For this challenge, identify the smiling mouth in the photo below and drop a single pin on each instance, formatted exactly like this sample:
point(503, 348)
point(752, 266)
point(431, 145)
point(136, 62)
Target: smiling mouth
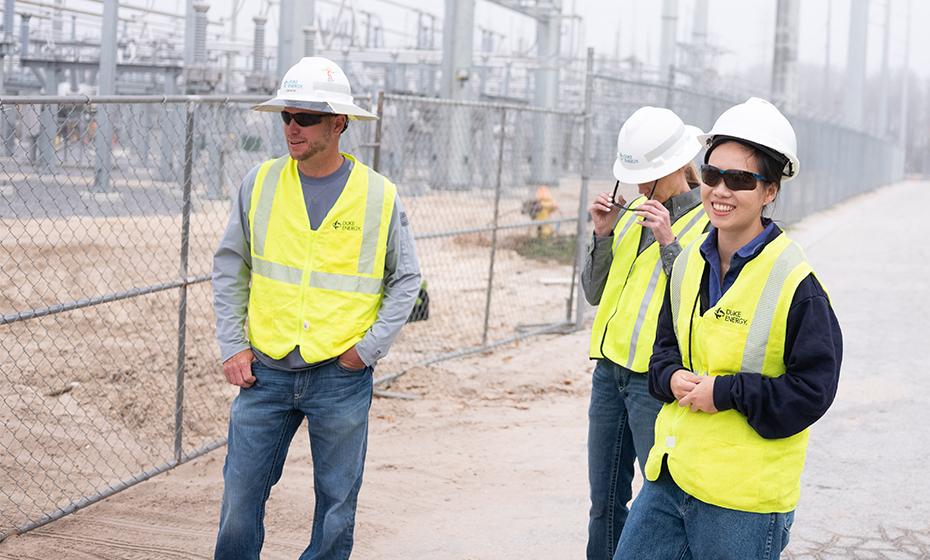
point(722, 208)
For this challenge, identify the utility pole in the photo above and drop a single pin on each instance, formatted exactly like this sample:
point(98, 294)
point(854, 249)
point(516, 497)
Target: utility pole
point(455, 150)
point(785, 62)
point(882, 125)
point(905, 72)
point(669, 40)
point(106, 85)
point(855, 64)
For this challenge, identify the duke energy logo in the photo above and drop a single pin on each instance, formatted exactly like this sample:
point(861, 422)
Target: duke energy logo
point(628, 159)
point(346, 225)
point(731, 316)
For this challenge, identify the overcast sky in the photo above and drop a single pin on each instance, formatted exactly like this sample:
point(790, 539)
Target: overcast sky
point(744, 29)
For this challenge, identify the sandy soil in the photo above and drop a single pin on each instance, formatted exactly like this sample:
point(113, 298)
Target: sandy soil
point(491, 454)
point(89, 398)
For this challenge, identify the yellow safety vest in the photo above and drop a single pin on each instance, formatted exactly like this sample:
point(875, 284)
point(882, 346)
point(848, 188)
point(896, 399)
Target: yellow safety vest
point(628, 314)
point(319, 290)
point(719, 458)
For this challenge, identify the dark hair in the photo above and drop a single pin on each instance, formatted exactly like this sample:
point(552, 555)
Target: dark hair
point(771, 163)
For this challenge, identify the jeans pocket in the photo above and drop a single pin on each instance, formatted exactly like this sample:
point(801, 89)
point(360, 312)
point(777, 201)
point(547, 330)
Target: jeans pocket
point(345, 369)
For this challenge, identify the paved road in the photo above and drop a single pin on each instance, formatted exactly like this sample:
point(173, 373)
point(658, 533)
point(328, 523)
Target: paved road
point(867, 484)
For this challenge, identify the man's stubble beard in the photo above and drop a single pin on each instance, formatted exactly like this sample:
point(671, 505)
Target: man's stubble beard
point(317, 147)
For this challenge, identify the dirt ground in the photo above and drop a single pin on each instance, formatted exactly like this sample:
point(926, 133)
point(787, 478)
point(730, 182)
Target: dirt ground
point(491, 455)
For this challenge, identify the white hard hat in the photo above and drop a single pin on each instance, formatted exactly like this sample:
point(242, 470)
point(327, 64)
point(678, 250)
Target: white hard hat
point(761, 123)
point(316, 84)
point(653, 143)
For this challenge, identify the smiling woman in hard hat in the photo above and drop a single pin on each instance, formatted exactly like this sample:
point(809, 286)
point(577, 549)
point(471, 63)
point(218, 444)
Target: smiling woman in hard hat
point(625, 271)
point(319, 259)
point(747, 357)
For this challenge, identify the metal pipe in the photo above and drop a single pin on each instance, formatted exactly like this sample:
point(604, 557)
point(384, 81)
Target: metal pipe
point(98, 300)
point(669, 41)
point(467, 231)
point(785, 57)
point(121, 99)
point(882, 125)
point(48, 122)
point(182, 273)
point(554, 327)
point(854, 89)
point(376, 156)
point(581, 231)
point(106, 85)
point(905, 71)
point(497, 205)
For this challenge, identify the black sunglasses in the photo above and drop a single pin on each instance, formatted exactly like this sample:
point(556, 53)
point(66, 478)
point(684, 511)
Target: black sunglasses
point(613, 197)
point(302, 119)
point(734, 179)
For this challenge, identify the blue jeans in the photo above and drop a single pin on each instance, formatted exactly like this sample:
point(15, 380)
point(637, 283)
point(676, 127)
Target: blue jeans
point(263, 420)
point(667, 523)
point(621, 427)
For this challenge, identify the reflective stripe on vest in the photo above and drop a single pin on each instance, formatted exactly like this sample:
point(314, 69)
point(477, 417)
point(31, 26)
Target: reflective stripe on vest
point(338, 282)
point(625, 324)
point(263, 211)
point(699, 217)
point(301, 276)
point(719, 458)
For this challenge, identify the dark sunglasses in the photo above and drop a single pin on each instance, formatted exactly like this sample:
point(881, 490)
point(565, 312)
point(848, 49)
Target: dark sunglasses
point(613, 197)
point(734, 179)
point(302, 119)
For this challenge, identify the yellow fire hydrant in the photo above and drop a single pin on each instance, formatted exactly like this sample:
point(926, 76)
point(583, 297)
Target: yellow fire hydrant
point(541, 209)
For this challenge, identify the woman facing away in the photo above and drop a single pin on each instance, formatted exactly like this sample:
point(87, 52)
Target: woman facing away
point(633, 248)
point(747, 356)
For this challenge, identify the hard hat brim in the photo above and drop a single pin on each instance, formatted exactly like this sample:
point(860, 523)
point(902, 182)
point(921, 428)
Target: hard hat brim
point(687, 153)
point(354, 112)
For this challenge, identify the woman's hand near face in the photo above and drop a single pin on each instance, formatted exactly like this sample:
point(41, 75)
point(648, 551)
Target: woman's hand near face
point(655, 216)
point(603, 213)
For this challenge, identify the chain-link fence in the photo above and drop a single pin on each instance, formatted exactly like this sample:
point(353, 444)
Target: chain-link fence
point(111, 208)
point(492, 197)
point(836, 162)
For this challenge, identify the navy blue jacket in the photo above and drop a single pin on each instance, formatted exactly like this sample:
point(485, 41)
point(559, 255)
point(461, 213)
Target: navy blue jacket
point(775, 407)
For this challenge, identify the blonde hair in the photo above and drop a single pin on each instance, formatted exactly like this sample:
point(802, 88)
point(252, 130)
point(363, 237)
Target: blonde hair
point(691, 174)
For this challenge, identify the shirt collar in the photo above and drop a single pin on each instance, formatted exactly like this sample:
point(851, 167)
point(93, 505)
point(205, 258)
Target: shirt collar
point(748, 251)
point(681, 204)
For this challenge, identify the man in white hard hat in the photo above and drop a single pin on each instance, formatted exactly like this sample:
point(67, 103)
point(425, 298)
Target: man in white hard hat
point(318, 258)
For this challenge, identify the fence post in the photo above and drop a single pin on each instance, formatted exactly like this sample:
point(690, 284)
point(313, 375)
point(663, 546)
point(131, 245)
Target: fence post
point(103, 143)
point(376, 157)
point(497, 204)
point(182, 272)
point(582, 228)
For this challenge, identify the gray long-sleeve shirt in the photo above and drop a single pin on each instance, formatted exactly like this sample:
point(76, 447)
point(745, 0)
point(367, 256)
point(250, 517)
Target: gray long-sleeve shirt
point(232, 266)
point(599, 256)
